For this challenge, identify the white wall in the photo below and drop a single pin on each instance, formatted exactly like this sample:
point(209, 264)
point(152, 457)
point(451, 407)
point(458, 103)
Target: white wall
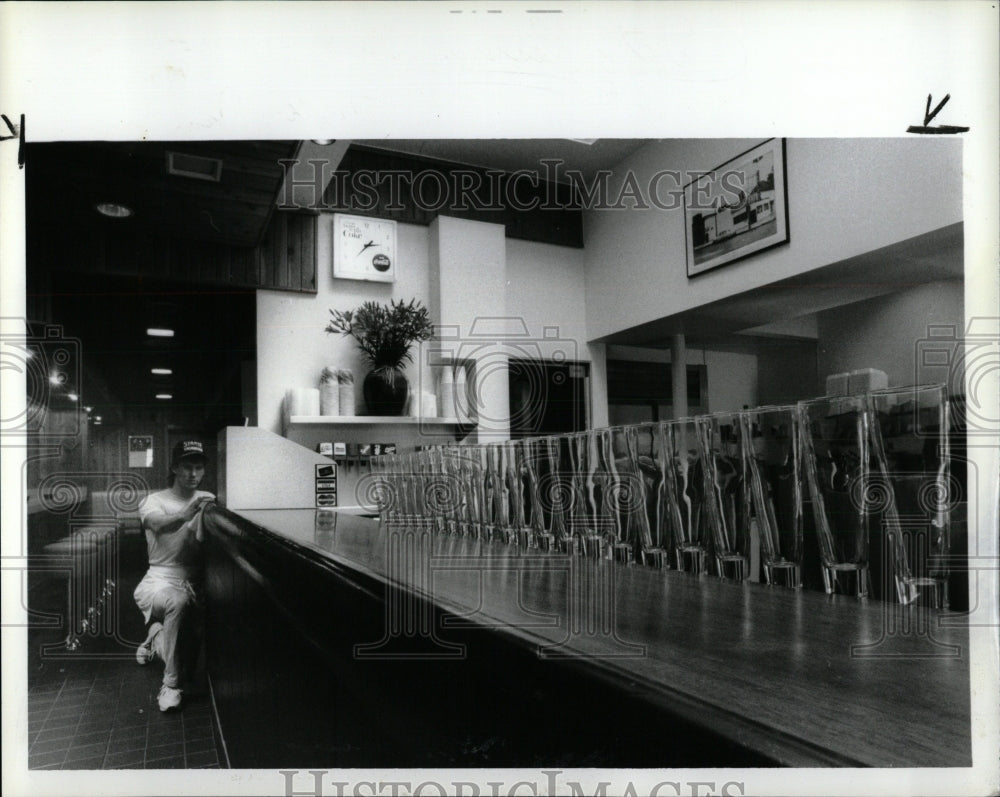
point(292, 347)
point(888, 333)
point(845, 197)
point(545, 287)
point(544, 284)
point(469, 281)
point(732, 380)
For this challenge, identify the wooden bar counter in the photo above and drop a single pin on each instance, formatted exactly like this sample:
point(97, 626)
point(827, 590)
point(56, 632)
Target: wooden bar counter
point(336, 642)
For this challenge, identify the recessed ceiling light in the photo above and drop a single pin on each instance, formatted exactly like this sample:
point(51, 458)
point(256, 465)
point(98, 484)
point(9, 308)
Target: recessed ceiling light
point(164, 396)
point(72, 397)
point(88, 409)
point(113, 210)
point(56, 379)
point(161, 371)
point(155, 332)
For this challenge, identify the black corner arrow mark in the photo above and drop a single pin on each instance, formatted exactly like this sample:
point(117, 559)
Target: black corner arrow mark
point(18, 133)
point(929, 116)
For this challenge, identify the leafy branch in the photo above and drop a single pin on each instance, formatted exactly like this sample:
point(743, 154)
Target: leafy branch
point(384, 333)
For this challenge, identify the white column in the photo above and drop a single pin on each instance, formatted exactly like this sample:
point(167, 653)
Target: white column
point(678, 376)
point(598, 385)
point(468, 274)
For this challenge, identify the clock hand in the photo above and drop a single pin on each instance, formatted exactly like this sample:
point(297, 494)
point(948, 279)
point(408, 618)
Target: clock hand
point(366, 246)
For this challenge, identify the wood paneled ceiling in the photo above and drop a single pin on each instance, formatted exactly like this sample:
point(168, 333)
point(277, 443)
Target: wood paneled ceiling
point(65, 180)
point(214, 334)
point(512, 154)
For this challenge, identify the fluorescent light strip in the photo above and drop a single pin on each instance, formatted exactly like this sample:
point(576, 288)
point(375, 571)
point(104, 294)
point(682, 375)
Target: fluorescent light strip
point(154, 332)
point(164, 396)
point(161, 371)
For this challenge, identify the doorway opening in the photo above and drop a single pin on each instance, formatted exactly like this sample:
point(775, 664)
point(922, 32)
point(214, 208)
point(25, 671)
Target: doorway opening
point(548, 397)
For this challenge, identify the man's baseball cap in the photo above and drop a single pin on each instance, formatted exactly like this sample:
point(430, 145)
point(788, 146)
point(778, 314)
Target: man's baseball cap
point(188, 449)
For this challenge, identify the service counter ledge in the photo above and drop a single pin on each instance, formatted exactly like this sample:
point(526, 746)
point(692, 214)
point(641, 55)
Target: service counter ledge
point(325, 649)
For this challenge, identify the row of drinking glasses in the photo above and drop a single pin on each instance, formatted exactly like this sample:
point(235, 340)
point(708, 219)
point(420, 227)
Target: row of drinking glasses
point(689, 493)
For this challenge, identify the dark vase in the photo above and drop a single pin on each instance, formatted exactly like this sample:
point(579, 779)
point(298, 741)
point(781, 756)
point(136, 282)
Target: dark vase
point(385, 391)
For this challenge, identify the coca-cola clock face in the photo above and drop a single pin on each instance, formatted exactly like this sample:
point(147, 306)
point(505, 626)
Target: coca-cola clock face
point(364, 248)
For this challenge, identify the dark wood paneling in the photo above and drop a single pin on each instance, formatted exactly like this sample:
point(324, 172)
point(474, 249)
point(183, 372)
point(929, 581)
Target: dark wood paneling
point(107, 445)
point(270, 251)
point(285, 260)
point(557, 219)
point(293, 253)
point(309, 266)
point(288, 253)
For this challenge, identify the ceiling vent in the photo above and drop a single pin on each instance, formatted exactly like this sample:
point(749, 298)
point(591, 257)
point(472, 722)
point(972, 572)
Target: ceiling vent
point(194, 166)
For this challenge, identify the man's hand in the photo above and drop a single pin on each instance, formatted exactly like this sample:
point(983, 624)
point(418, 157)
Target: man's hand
point(191, 512)
point(160, 523)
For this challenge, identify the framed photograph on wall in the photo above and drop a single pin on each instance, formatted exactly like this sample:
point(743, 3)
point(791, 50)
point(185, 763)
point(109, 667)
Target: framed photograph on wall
point(737, 209)
point(140, 451)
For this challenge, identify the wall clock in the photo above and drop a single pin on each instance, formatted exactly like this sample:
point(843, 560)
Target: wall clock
point(364, 248)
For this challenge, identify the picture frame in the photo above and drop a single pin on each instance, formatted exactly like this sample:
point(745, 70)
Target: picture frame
point(140, 451)
point(364, 248)
point(737, 209)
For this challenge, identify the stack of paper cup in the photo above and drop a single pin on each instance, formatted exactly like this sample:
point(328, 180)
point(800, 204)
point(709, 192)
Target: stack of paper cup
point(461, 395)
point(302, 401)
point(428, 404)
point(421, 404)
point(329, 392)
point(446, 392)
point(345, 379)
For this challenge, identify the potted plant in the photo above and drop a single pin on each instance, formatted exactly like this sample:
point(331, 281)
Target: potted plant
point(385, 334)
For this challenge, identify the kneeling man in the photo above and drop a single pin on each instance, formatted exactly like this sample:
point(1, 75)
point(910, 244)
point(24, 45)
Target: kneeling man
point(168, 593)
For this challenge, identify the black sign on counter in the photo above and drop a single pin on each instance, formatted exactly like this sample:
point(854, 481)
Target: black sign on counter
point(326, 484)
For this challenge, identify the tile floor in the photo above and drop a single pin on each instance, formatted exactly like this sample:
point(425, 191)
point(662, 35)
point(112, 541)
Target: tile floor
point(96, 708)
point(107, 718)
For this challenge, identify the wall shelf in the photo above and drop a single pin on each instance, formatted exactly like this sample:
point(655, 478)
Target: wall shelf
point(373, 420)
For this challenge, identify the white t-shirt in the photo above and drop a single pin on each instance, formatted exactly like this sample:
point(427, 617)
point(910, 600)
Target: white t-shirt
point(181, 548)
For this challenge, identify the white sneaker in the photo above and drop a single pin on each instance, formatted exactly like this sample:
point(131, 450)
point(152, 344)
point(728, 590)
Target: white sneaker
point(144, 654)
point(169, 698)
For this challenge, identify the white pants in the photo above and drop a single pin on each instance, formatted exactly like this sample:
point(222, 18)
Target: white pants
point(171, 600)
